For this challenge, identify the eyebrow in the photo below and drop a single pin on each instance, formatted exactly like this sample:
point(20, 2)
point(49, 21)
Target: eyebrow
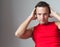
point(44, 13)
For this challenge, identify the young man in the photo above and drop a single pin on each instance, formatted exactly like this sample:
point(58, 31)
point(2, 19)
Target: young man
point(45, 34)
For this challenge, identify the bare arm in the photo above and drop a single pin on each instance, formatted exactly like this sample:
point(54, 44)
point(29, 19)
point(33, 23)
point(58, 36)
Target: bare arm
point(57, 16)
point(27, 34)
point(22, 31)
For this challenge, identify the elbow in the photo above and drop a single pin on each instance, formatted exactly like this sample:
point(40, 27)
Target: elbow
point(20, 36)
point(17, 35)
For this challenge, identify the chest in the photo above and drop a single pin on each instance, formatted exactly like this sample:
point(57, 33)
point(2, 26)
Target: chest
point(45, 31)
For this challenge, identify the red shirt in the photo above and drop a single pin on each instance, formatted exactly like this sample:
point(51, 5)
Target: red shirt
point(46, 35)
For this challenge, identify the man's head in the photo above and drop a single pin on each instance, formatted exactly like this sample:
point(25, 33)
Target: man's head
point(42, 12)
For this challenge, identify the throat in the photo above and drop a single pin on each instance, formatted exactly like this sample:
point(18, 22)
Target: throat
point(44, 23)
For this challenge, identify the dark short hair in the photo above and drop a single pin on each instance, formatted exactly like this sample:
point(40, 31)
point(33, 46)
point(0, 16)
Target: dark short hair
point(43, 4)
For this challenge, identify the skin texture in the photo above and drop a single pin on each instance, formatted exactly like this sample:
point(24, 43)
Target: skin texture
point(42, 15)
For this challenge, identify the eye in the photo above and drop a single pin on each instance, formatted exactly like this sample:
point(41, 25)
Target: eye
point(45, 14)
point(39, 14)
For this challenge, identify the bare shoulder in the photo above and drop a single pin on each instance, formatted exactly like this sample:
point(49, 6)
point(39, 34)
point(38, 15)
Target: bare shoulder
point(58, 24)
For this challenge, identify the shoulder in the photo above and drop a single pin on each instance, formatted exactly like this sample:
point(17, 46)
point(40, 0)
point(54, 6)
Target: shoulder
point(58, 24)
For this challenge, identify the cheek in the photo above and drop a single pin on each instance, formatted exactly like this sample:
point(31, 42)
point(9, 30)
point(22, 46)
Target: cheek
point(38, 18)
point(46, 17)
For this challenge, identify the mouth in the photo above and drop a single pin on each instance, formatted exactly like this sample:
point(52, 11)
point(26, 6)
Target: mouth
point(43, 20)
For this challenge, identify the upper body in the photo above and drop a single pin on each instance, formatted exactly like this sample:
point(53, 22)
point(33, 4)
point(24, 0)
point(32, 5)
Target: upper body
point(41, 12)
point(46, 35)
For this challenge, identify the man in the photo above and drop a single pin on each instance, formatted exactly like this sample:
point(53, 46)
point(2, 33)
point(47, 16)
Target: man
point(45, 34)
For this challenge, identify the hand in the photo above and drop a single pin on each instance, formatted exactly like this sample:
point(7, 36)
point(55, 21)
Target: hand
point(52, 13)
point(33, 14)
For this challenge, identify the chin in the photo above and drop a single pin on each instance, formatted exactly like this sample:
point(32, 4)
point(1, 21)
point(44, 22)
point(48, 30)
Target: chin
point(42, 22)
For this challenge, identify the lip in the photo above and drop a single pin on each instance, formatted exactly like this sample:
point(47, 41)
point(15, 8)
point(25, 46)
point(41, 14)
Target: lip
point(43, 20)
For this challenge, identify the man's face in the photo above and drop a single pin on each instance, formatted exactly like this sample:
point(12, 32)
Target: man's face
point(42, 14)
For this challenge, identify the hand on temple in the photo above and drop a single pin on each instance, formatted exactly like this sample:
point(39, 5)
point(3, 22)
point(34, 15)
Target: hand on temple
point(33, 14)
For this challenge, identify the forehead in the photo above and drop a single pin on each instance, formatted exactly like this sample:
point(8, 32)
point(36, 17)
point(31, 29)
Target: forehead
point(42, 9)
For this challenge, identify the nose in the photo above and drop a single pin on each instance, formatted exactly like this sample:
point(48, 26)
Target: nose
point(42, 16)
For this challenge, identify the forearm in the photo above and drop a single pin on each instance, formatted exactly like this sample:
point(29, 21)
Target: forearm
point(56, 15)
point(22, 28)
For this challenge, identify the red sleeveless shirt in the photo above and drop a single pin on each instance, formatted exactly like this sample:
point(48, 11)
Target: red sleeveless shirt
point(46, 35)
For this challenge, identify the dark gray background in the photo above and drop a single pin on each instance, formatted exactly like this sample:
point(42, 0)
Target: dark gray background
point(12, 14)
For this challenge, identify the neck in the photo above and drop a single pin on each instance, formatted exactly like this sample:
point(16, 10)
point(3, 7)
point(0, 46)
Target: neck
point(44, 23)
